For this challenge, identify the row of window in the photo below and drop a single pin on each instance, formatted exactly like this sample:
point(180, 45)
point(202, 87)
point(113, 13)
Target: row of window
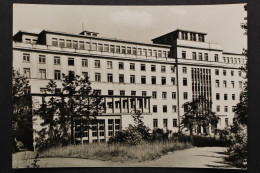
point(108, 48)
point(193, 36)
point(200, 56)
point(232, 60)
point(84, 63)
point(225, 108)
point(233, 96)
point(232, 73)
point(165, 123)
point(217, 84)
point(174, 108)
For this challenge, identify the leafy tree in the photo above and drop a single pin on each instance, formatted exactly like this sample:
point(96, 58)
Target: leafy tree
point(198, 112)
point(22, 115)
point(77, 103)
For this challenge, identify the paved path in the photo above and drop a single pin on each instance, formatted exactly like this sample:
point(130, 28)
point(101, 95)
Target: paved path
point(204, 157)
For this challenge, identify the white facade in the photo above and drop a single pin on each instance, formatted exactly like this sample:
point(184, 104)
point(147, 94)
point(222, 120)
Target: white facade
point(42, 56)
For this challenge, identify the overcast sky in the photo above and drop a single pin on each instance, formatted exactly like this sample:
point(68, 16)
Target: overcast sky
point(137, 23)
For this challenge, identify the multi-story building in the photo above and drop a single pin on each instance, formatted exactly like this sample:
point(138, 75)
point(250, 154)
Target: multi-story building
point(156, 78)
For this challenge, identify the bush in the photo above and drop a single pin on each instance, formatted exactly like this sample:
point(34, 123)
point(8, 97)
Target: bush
point(160, 134)
point(238, 148)
point(129, 136)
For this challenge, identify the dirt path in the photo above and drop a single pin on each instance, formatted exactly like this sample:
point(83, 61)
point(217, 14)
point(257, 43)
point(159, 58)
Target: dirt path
point(204, 157)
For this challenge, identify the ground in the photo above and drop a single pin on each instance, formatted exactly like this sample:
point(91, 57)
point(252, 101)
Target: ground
point(198, 157)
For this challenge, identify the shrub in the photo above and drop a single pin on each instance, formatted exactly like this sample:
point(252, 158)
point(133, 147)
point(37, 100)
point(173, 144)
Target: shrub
point(129, 136)
point(160, 134)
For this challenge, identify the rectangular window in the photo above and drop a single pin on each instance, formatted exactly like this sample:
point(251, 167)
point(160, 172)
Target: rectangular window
point(240, 84)
point(173, 80)
point(153, 78)
point(68, 43)
point(154, 108)
point(109, 65)
point(133, 93)
point(42, 73)
point(94, 46)
point(154, 94)
point(232, 73)
point(88, 46)
point(54, 42)
point(122, 92)
point(163, 80)
point(159, 53)
point(132, 78)
point(81, 45)
point(142, 67)
point(172, 69)
point(42, 59)
point(134, 51)
point(164, 54)
point(123, 49)
point(71, 61)
point(149, 52)
point(155, 53)
point(117, 49)
point(164, 95)
point(120, 65)
point(233, 84)
point(200, 56)
point(75, 44)
point(143, 79)
point(106, 48)
point(97, 77)
point(164, 108)
point(155, 123)
point(174, 95)
point(85, 74)
point(217, 84)
point(153, 68)
point(239, 73)
point(185, 95)
point(184, 70)
point(225, 84)
point(226, 121)
point(183, 54)
point(144, 93)
point(225, 109)
point(217, 96)
point(121, 78)
point(62, 42)
point(216, 57)
point(216, 72)
point(165, 123)
point(185, 82)
point(233, 108)
point(163, 69)
point(174, 108)
point(139, 51)
point(206, 57)
point(128, 50)
point(145, 52)
point(57, 75)
point(26, 57)
point(100, 47)
point(174, 123)
point(224, 72)
point(132, 66)
point(225, 97)
point(110, 92)
point(233, 97)
point(56, 60)
point(109, 77)
point(97, 63)
point(84, 62)
point(194, 56)
point(218, 108)
point(112, 48)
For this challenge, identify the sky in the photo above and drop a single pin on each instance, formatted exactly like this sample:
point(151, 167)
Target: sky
point(137, 23)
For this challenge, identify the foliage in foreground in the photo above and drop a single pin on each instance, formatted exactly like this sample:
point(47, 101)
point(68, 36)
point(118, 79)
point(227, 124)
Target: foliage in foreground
point(117, 152)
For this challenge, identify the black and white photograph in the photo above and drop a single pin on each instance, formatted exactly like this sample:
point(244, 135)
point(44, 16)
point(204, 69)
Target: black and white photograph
point(129, 86)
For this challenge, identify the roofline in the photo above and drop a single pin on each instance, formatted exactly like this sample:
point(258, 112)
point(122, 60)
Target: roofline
point(25, 32)
point(180, 30)
point(103, 38)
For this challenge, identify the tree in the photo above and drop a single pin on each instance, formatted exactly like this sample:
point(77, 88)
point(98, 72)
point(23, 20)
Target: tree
point(22, 115)
point(76, 103)
point(198, 113)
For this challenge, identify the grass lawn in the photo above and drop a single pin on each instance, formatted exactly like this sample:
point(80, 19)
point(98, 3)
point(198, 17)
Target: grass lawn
point(116, 152)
